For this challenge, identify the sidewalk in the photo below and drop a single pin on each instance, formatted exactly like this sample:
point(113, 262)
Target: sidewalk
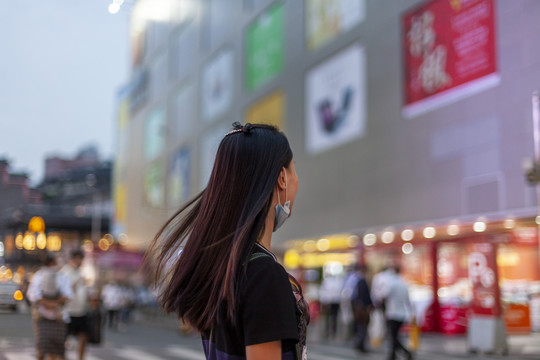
point(433, 346)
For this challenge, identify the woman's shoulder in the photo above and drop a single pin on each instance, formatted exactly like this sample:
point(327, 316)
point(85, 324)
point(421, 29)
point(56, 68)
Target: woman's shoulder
point(262, 268)
point(260, 260)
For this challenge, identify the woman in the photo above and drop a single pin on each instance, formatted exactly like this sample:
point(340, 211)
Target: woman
point(227, 283)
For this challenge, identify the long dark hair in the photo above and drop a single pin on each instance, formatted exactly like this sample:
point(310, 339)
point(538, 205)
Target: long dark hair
point(219, 227)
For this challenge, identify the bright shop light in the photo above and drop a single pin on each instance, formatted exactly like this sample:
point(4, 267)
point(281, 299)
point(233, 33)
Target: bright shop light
point(387, 237)
point(333, 268)
point(18, 295)
point(109, 238)
point(19, 241)
point(103, 244)
point(88, 246)
point(114, 8)
point(323, 244)
point(509, 223)
point(538, 220)
point(452, 230)
point(352, 241)
point(407, 248)
point(310, 245)
point(41, 241)
point(369, 239)
point(29, 241)
point(123, 239)
point(54, 242)
point(291, 259)
point(429, 232)
point(407, 235)
point(479, 226)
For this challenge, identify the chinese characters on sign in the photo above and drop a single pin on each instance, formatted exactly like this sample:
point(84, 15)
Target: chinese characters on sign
point(449, 53)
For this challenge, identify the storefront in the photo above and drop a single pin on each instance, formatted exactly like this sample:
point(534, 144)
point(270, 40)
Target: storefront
point(493, 268)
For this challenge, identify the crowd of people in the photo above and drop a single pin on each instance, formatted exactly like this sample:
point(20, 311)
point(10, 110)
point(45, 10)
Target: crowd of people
point(369, 313)
point(66, 310)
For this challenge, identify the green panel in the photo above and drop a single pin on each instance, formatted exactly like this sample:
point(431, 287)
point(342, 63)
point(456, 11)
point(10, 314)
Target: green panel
point(265, 47)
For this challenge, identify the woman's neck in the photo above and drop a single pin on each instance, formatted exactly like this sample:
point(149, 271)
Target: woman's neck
point(266, 239)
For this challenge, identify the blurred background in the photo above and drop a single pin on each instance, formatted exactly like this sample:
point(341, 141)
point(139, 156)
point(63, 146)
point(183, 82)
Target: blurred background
point(414, 125)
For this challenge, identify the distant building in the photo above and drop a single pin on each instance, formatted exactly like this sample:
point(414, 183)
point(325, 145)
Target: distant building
point(78, 183)
point(56, 166)
point(73, 200)
point(14, 188)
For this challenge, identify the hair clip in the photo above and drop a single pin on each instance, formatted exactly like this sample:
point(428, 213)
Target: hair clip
point(246, 129)
point(233, 132)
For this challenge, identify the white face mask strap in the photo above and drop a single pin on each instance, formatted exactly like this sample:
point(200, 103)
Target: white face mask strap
point(279, 201)
point(285, 186)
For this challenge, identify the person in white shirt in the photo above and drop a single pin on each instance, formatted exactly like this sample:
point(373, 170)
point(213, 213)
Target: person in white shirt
point(113, 301)
point(379, 285)
point(77, 307)
point(398, 311)
point(48, 292)
point(330, 297)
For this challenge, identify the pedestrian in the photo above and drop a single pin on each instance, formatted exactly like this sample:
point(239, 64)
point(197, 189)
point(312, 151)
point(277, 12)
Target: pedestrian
point(347, 317)
point(399, 310)
point(113, 301)
point(379, 285)
point(128, 304)
point(48, 292)
point(361, 304)
point(223, 280)
point(330, 298)
point(77, 308)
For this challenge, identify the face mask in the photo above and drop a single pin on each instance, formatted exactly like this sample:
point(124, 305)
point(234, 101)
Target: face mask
point(282, 211)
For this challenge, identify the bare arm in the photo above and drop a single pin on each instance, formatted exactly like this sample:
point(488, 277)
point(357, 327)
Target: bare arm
point(52, 303)
point(264, 351)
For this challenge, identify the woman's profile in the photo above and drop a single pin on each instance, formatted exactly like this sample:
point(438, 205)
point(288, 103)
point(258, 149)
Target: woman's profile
point(214, 262)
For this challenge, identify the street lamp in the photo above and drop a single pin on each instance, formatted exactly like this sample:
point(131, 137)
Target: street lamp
point(36, 237)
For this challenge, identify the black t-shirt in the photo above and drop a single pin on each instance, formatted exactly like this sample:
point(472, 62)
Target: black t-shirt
point(266, 312)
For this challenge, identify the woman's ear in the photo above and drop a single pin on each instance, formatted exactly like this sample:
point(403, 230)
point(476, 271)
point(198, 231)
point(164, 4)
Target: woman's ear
point(282, 179)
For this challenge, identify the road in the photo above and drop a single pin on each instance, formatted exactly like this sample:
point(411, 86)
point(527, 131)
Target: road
point(159, 340)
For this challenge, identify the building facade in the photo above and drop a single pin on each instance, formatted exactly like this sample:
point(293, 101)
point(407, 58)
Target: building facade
point(69, 209)
point(410, 123)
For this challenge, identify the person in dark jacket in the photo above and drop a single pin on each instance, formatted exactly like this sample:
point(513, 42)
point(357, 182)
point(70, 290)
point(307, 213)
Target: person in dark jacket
point(361, 306)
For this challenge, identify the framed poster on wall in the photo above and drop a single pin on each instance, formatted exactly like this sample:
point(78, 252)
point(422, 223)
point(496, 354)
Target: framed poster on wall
point(264, 47)
point(183, 114)
point(336, 100)
point(154, 133)
point(449, 53)
point(179, 178)
point(218, 85)
point(326, 19)
point(209, 146)
point(154, 188)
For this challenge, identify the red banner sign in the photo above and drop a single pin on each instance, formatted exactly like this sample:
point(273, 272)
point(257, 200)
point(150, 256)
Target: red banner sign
point(449, 50)
point(483, 275)
point(526, 236)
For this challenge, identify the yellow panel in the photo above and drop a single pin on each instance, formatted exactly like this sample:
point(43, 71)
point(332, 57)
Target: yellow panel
point(120, 202)
point(123, 113)
point(269, 110)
